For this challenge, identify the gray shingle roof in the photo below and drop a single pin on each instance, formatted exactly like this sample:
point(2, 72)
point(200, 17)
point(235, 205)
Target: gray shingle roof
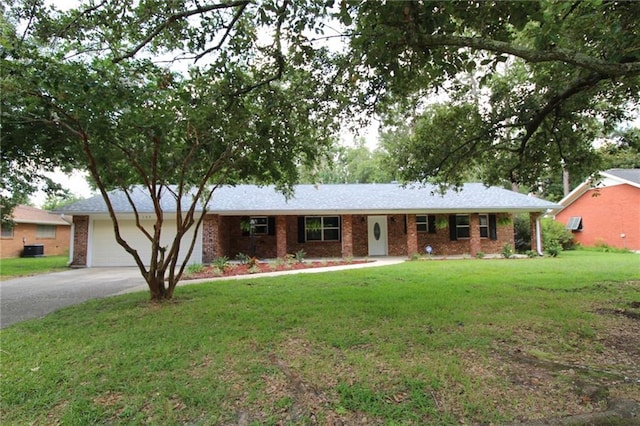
point(338, 198)
point(632, 175)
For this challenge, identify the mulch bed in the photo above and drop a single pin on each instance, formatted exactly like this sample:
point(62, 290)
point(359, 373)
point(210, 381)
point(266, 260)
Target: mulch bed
point(234, 269)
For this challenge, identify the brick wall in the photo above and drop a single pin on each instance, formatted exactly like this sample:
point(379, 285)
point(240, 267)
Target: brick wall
point(607, 213)
point(80, 240)
point(209, 237)
point(412, 235)
point(281, 236)
point(443, 246)
point(397, 240)
point(360, 236)
point(265, 246)
point(26, 232)
point(403, 238)
point(347, 235)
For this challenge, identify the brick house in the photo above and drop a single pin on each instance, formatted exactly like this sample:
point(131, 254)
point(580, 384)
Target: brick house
point(604, 210)
point(32, 226)
point(342, 220)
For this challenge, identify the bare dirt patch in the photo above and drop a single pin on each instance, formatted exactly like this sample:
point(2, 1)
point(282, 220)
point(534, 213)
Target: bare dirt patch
point(513, 379)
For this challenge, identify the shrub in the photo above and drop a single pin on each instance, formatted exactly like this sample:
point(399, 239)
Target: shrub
point(507, 251)
point(531, 253)
point(195, 268)
point(480, 255)
point(242, 258)
point(522, 232)
point(221, 263)
point(554, 232)
point(253, 262)
point(553, 249)
point(300, 255)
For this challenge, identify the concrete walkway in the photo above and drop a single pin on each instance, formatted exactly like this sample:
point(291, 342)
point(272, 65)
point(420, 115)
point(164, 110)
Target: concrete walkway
point(34, 297)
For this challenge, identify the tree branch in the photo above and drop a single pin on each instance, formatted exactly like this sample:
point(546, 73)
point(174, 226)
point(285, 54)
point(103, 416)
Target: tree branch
point(574, 88)
point(604, 68)
point(176, 17)
point(233, 22)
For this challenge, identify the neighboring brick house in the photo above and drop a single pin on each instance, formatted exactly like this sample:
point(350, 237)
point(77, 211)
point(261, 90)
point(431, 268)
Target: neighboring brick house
point(604, 210)
point(350, 220)
point(32, 226)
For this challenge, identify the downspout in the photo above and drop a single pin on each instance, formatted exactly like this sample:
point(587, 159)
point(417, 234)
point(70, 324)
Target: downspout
point(71, 247)
point(539, 236)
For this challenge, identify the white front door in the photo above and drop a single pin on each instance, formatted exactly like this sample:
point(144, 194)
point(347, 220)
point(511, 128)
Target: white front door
point(377, 226)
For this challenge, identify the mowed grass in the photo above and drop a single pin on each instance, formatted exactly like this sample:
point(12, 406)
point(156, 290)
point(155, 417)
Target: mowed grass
point(22, 266)
point(425, 342)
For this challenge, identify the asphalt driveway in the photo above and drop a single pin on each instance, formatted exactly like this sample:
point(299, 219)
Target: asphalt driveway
point(34, 297)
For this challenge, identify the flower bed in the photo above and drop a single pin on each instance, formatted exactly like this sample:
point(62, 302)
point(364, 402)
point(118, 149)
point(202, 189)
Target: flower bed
point(233, 269)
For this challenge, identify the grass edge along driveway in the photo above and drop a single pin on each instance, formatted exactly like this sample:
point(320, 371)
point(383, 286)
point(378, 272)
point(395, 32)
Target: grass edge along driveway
point(427, 342)
point(25, 266)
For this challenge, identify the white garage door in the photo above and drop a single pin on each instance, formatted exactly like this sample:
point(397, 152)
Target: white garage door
point(107, 252)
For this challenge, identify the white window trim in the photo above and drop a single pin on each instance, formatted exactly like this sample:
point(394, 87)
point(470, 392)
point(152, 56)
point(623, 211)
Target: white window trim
point(257, 226)
point(468, 227)
point(322, 229)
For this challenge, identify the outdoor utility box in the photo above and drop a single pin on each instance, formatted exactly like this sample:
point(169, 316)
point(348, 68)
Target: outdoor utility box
point(33, 250)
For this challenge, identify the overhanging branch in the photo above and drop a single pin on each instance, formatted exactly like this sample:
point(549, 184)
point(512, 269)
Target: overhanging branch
point(556, 54)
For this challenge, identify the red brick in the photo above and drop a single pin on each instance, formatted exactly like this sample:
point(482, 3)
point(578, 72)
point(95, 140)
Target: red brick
point(607, 213)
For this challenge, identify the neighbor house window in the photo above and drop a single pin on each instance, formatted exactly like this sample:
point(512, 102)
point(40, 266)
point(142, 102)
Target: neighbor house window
point(574, 224)
point(462, 226)
point(426, 223)
point(322, 228)
point(7, 231)
point(45, 231)
point(484, 226)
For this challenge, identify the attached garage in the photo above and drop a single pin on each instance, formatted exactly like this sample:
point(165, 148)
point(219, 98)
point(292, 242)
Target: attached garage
point(105, 251)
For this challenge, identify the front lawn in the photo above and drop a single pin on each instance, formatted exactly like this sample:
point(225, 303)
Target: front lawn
point(425, 342)
point(22, 266)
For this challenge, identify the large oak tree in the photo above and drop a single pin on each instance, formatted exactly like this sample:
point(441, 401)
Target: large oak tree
point(526, 85)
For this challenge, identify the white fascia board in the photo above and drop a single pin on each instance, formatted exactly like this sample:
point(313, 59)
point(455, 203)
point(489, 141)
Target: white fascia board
point(42, 222)
point(619, 180)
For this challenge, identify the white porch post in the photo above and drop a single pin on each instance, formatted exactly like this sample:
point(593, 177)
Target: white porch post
point(539, 236)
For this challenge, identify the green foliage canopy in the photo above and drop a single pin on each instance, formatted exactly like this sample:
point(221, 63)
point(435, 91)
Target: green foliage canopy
point(178, 97)
point(524, 85)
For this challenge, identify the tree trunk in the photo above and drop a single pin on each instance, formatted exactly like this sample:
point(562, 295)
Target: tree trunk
point(157, 289)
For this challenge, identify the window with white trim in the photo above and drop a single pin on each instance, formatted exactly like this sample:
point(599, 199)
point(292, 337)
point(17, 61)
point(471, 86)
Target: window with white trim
point(484, 226)
point(260, 225)
point(45, 231)
point(426, 223)
point(462, 226)
point(322, 228)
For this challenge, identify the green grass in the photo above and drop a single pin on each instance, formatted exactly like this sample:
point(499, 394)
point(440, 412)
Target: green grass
point(423, 342)
point(22, 266)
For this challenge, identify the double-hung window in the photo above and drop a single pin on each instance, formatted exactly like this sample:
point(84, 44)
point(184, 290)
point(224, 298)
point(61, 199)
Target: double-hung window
point(484, 226)
point(322, 228)
point(462, 226)
point(260, 225)
point(46, 231)
point(426, 223)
